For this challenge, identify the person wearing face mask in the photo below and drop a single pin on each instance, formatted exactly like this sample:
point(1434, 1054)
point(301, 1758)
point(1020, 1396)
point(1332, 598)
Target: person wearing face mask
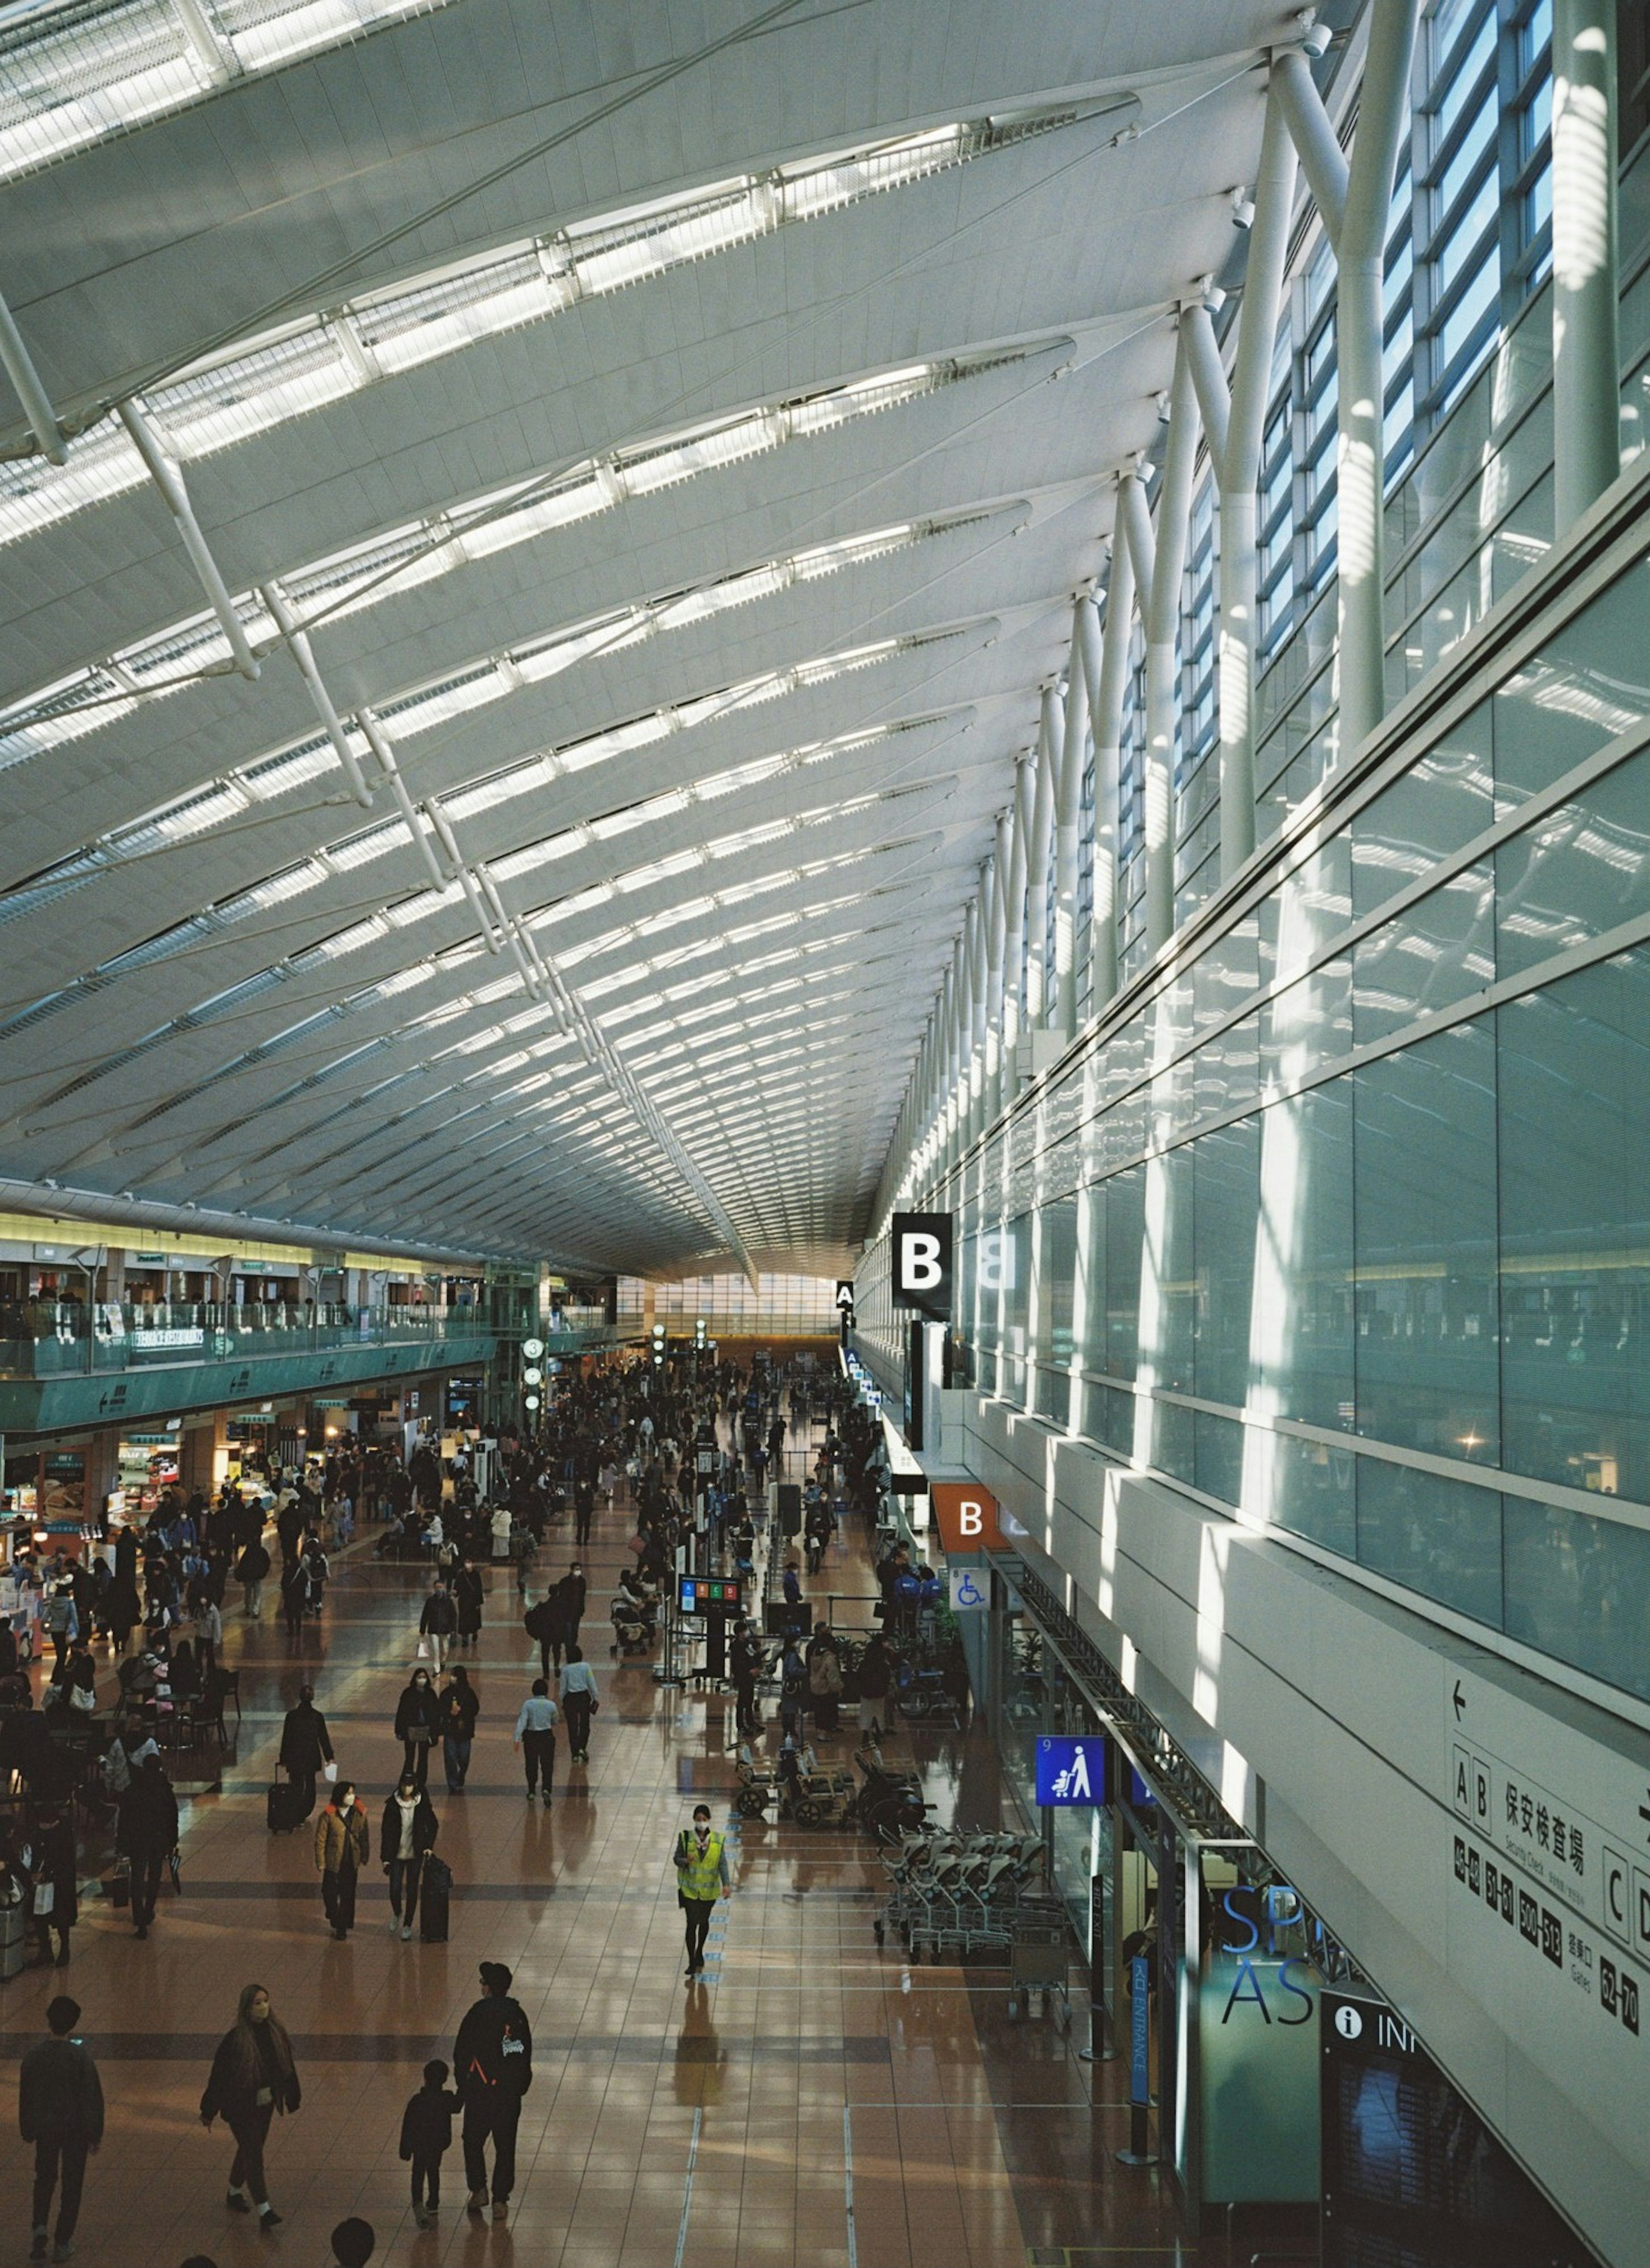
point(343, 1847)
point(405, 1841)
point(253, 2079)
point(702, 1878)
point(417, 1721)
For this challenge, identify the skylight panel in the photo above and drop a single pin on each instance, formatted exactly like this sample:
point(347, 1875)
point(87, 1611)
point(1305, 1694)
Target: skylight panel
point(229, 402)
point(609, 258)
point(400, 330)
point(645, 471)
point(558, 506)
point(821, 188)
point(374, 842)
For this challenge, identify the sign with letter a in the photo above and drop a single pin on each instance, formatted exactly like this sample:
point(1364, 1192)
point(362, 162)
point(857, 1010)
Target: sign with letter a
point(922, 1264)
point(967, 1516)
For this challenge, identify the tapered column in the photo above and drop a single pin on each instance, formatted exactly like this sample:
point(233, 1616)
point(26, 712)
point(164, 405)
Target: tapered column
point(1585, 284)
point(1107, 683)
point(1040, 860)
point(1015, 941)
point(996, 946)
point(1382, 115)
point(1162, 652)
point(1067, 813)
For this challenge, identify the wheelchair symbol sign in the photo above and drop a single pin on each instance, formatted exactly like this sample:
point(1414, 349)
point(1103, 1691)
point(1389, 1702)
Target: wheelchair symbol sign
point(966, 1591)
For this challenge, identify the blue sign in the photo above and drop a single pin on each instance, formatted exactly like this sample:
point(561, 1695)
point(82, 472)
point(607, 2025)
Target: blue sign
point(1071, 1768)
point(1139, 2029)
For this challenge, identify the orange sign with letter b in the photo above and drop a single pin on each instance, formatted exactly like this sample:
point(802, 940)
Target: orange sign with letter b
point(967, 1517)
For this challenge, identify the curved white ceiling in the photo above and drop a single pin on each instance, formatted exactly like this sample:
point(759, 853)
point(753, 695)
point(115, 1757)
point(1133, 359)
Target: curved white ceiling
point(658, 450)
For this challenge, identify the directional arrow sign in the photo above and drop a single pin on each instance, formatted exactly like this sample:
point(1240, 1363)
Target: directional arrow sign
point(1461, 1702)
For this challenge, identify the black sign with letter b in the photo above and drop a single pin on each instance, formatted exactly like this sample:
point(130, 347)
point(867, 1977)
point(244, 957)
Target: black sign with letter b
point(923, 1263)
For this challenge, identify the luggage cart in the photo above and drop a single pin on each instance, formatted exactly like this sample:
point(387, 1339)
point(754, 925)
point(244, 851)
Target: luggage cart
point(1038, 1960)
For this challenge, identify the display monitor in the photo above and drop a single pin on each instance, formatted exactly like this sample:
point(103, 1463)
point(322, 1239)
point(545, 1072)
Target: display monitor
point(711, 1594)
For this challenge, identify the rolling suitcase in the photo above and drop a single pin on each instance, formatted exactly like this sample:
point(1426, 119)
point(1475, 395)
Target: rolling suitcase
point(433, 1897)
point(285, 1808)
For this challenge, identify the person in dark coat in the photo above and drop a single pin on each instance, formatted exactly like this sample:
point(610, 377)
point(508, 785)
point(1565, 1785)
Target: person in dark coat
point(468, 1597)
point(60, 2111)
point(251, 1568)
point(437, 1624)
point(305, 1745)
point(460, 1705)
point(51, 1868)
point(122, 1607)
point(417, 1722)
point(406, 1839)
point(573, 1591)
point(492, 2061)
point(146, 1835)
point(253, 2079)
point(426, 2136)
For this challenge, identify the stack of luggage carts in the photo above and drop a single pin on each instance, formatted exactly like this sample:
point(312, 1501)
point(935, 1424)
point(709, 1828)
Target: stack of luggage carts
point(951, 1893)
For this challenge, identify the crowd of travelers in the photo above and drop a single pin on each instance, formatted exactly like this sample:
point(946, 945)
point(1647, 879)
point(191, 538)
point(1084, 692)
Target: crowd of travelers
point(158, 1600)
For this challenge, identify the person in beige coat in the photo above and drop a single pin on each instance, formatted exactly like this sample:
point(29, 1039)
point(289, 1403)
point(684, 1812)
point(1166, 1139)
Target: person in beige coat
point(343, 1847)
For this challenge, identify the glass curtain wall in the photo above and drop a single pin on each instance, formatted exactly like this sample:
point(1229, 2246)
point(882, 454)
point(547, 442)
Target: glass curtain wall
point(1348, 1225)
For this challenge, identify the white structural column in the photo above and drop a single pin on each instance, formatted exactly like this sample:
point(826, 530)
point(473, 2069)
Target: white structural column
point(1039, 849)
point(1585, 319)
point(1014, 938)
point(1161, 601)
point(979, 939)
point(1233, 421)
point(1355, 202)
point(996, 946)
point(962, 993)
point(1067, 814)
point(1107, 684)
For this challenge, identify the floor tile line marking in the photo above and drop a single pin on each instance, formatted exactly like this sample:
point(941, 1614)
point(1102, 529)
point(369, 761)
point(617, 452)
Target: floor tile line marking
point(687, 2190)
point(848, 2183)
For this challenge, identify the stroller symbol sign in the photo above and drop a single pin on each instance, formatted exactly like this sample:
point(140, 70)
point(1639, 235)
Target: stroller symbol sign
point(966, 1592)
point(1071, 1768)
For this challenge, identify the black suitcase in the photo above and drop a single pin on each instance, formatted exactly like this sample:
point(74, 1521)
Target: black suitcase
point(433, 1898)
point(284, 1806)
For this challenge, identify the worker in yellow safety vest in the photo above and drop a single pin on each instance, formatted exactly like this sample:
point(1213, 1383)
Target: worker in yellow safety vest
point(702, 1877)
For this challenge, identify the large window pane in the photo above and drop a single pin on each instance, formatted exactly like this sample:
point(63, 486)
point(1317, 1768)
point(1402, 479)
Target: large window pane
point(1426, 1212)
point(1436, 953)
point(1578, 1589)
point(1125, 1234)
point(1574, 1079)
point(1442, 1538)
point(1584, 869)
point(1437, 808)
point(1226, 1176)
point(1056, 1266)
point(1302, 1337)
point(1590, 682)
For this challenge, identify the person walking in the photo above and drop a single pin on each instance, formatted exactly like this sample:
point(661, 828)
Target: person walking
point(876, 1680)
point(294, 1598)
point(438, 1623)
point(543, 1623)
point(426, 2136)
point(747, 1660)
point(146, 1835)
point(460, 1706)
point(584, 1509)
point(48, 1864)
point(251, 1571)
point(492, 2061)
point(343, 1847)
point(417, 1721)
point(702, 1878)
point(406, 1839)
point(253, 2079)
point(468, 1592)
point(535, 1736)
point(579, 1702)
point(573, 1591)
point(60, 2111)
point(306, 1746)
point(824, 1665)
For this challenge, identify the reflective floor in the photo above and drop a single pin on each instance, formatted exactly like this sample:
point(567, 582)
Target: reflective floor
point(815, 2102)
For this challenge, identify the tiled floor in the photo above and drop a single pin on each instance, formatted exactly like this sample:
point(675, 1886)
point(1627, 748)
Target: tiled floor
point(816, 2103)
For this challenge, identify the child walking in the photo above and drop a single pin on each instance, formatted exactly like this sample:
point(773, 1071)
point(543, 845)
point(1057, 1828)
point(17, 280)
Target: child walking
point(426, 2135)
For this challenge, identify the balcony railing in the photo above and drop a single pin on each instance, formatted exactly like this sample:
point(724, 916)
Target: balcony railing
point(47, 1339)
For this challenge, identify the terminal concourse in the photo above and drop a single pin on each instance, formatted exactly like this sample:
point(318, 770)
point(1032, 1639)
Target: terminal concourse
point(824, 1040)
